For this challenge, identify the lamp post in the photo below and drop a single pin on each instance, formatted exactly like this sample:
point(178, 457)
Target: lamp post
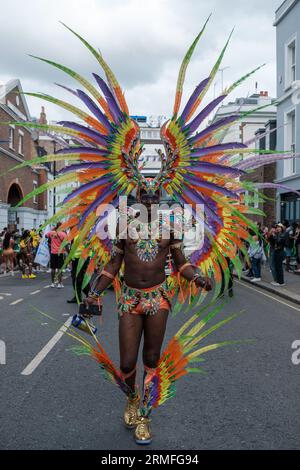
point(221, 70)
point(54, 176)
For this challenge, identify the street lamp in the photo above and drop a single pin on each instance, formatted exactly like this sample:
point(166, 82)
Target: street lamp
point(221, 70)
point(54, 176)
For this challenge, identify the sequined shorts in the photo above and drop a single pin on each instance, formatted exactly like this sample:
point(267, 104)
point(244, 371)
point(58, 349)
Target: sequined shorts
point(144, 301)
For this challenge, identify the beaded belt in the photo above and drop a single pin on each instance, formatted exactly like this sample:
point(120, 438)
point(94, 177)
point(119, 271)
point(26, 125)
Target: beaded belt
point(150, 299)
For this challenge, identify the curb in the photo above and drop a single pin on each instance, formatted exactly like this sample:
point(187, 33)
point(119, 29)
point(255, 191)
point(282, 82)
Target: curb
point(280, 292)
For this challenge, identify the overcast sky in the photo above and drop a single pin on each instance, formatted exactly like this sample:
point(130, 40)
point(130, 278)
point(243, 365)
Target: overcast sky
point(144, 42)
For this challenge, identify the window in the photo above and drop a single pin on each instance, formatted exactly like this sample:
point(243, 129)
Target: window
point(290, 143)
point(35, 186)
point(11, 136)
point(21, 144)
point(290, 63)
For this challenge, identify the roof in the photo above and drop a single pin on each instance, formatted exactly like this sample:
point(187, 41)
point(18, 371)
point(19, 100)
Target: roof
point(283, 10)
point(8, 87)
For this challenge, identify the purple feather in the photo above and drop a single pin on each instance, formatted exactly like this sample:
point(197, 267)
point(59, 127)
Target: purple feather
point(261, 160)
point(276, 186)
point(212, 186)
point(80, 150)
point(94, 205)
point(112, 103)
point(93, 184)
point(73, 92)
point(217, 148)
point(193, 126)
point(198, 199)
point(94, 109)
point(193, 98)
point(213, 127)
point(213, 168)
point(84, 166)
point(85, 130)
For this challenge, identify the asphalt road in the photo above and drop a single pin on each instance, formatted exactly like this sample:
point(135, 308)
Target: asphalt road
point(249, 398)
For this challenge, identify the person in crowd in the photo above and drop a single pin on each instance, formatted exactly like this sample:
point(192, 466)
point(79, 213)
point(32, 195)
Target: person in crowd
point(277, 239)
point(17, 250)
point(297, 246)
point(56, 237)
point(77, 281)
point(8, 252)
point(289, 244)
point(255, 252)
point(26, 252)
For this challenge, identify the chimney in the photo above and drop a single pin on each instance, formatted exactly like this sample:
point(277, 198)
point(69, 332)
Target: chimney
point(43, 117)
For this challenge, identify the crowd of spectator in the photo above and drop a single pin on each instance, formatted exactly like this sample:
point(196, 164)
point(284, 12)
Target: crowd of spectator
point(278, 247)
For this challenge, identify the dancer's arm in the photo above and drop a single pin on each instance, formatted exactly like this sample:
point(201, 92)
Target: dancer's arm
point(187, 270)
point(107, 275)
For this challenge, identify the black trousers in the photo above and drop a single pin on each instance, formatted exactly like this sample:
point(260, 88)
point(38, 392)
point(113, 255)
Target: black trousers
point(78, 281)
point(278, 257)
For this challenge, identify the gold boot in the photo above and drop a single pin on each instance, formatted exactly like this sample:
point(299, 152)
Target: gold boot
point(142, 434)
point(131, 412)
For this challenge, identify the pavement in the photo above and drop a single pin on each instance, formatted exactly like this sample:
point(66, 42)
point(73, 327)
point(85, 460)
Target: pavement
point(52, 399)
point(291, 290)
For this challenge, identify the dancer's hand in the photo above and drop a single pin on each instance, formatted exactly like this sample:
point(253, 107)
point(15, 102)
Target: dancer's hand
point(204, 282)
point(93, 307)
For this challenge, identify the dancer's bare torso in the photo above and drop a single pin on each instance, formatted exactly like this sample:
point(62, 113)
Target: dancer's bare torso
point(141, 274)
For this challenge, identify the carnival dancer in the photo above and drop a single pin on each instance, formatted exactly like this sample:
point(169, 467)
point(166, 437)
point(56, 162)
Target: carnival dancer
point(144, 303)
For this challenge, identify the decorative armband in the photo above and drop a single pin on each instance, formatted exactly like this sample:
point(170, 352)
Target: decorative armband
point(186, 265)
point(107, 274)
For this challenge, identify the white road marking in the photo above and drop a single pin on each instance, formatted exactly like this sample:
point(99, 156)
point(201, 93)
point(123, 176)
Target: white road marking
point(35, 292)
point(65, 314)
point(1, 298)
point(268, 295)
point(5, 293)
point(47, 287)
point(46, 349)
point(16, 302)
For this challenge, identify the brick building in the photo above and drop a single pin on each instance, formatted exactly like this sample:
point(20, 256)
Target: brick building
point(16, 146)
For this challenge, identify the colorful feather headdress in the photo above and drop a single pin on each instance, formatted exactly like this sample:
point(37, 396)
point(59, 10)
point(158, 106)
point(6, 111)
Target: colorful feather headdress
point(196, 168)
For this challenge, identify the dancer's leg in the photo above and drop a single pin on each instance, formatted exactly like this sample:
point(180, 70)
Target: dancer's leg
point(130, 333)
point(154, 332)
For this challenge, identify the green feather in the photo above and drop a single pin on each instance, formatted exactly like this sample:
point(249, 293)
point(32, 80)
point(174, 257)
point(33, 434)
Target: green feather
point(94, 92)
point(186, 60)
point(49, 185)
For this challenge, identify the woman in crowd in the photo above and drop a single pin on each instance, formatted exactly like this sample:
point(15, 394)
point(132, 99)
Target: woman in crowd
point(277, 240)
point(255, 252)
point(8, 252)
point(26, 250)
point(297, 246)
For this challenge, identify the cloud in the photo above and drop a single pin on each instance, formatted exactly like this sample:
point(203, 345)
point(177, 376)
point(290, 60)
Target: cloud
point(143, 41)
